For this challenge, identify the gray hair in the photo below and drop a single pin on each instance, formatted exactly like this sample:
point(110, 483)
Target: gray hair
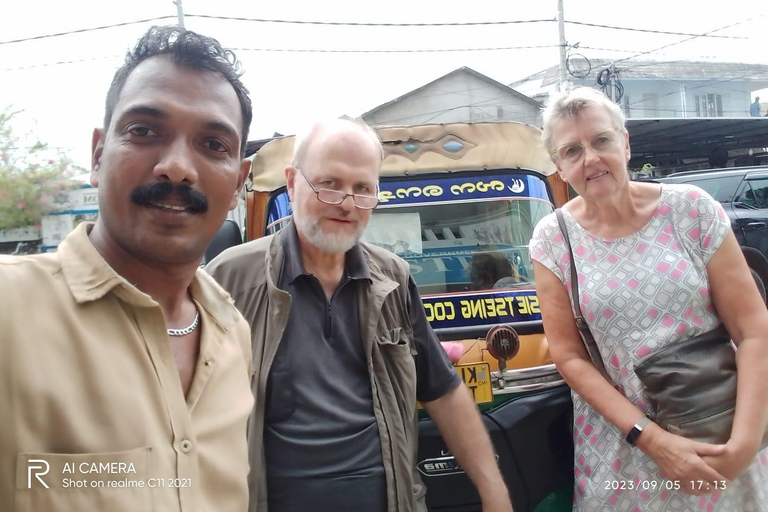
point(302, 141)
point(569, 105)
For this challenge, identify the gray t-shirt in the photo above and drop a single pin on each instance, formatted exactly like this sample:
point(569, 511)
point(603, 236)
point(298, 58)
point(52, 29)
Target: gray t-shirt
point(321, 440)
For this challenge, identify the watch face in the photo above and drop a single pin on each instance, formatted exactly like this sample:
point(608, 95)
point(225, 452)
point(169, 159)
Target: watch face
point(633, 435)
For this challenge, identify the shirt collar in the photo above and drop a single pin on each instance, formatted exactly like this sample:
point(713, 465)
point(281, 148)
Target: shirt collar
point(90, 278)
point(355, 265)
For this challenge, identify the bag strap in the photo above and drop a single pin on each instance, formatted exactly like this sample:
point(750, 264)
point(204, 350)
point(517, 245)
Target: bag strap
point(581, 323)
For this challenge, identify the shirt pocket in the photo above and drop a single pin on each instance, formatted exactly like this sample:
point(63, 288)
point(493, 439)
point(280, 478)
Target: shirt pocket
point(395, 347)
point(398, 356)
point(63, 482)
point(395, 340)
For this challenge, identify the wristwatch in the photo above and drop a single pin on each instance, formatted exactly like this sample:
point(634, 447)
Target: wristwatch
point(635, 432)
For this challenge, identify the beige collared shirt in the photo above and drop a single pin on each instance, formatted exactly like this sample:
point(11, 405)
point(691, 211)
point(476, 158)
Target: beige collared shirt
point(92, 413)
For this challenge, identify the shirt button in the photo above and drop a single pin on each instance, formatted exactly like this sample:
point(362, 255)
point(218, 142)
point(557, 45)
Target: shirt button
point(186, 446)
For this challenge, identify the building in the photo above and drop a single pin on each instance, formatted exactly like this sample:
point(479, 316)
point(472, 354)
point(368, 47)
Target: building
point(656, 89)
point(461, 96)
point(681, 115)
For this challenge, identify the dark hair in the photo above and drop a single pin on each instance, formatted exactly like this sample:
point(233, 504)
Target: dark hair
point(718, 158)
point(488, 267)
point(185, 48)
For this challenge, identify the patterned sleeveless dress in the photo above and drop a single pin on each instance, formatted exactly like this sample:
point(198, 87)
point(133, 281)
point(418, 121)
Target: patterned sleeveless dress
point(640, 293)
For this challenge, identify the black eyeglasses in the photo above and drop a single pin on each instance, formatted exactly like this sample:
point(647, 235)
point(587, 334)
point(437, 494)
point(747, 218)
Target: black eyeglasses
point(334, 197)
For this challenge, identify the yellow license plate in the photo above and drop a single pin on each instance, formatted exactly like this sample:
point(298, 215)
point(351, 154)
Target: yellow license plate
point(477, 377)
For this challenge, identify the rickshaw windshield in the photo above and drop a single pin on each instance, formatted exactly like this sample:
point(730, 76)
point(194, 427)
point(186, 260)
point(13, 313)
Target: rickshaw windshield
point(459, 247)
point(461, 232)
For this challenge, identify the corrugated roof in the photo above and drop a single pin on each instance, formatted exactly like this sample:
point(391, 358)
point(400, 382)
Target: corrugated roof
point(679, 138)
point(667, 70)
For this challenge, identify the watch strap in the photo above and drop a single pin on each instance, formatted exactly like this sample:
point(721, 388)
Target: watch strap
point(636, 430)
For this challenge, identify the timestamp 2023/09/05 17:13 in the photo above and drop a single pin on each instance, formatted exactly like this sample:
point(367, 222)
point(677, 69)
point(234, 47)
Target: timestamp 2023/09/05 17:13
point(652, 485)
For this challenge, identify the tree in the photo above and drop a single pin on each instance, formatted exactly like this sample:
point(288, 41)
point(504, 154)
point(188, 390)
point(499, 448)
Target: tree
point(33, 178)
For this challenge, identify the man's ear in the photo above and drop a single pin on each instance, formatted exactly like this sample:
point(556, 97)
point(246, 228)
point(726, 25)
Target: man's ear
point(97, 149)
point(245, 168)
point(290, 180)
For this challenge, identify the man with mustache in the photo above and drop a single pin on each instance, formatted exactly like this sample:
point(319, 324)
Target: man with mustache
point(125, 368)
point(343, 349)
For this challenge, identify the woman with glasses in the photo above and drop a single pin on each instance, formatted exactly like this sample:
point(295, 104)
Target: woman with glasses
point(656, 265)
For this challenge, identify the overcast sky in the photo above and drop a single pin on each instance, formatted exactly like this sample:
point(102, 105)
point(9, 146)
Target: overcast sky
point(60, 82)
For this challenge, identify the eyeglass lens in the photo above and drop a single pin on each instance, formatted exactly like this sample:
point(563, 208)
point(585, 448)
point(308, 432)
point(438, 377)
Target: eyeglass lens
point(572, 153)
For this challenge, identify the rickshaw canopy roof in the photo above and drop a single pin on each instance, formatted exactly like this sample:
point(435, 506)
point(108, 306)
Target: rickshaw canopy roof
point(418, 149)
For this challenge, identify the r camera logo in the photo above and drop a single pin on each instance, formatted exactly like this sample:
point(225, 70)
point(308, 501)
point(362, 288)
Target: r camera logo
point(39, 468)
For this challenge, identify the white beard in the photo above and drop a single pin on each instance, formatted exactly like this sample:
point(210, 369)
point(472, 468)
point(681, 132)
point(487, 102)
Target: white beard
point(331, 243)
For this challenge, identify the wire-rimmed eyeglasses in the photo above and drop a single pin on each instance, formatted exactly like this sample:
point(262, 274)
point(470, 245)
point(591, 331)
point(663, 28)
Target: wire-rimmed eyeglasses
point(573, 152)
point(336, 197)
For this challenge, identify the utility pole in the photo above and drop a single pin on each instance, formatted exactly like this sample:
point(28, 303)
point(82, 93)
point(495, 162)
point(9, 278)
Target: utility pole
point(561, 27)
point(179, 13)
point(611, 81)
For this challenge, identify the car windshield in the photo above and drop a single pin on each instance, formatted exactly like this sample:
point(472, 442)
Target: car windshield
point(456, 247)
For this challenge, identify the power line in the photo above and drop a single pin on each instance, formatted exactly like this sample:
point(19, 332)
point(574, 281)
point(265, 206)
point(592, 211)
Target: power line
point(77, 61)
point(313, 50)
point(418, 50)
point(356, 24)
point(83, 30)
point(650, 31)
point(372, 24)
point(304, 50)
point(581, 47)
point(689, 38)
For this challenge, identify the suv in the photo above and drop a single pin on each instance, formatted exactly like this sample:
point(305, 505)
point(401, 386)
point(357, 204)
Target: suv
point(743, 192)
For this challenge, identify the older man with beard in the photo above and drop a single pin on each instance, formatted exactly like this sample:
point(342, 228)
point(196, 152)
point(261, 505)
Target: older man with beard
point(343, 350)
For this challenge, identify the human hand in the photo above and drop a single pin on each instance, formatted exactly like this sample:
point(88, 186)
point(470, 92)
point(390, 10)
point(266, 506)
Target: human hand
point(733, 461)
point(682, 460)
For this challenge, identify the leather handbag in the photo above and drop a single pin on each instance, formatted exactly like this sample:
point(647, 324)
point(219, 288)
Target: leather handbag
point(691, 384)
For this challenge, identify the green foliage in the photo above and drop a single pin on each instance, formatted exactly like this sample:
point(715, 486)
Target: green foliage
point(33, 179)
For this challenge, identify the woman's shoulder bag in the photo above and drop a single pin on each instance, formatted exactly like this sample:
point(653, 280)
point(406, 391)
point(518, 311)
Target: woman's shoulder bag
point(691, 384)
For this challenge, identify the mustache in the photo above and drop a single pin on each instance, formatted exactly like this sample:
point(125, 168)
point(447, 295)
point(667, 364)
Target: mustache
point(158, 192)
point(346, 213)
